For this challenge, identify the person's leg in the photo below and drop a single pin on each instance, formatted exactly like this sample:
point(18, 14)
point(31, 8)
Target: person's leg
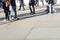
point(23, 6)
point(33, 9)
point(47, 9)
point(14, 9)
point(0, 5)
point(38, 3)
point(50, 8)
point(4, 7)
point(42, 2)
point(8, 13)
point(30, 8)
point(53, 10)
point(20, 7)
point(5, 11)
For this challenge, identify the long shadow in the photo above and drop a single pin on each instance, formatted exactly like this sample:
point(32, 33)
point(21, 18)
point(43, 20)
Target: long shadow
point(24, 16)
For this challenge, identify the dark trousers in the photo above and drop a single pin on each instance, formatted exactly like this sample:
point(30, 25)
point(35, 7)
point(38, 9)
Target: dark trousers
point(32, 9)
point(22, 5)
point(47, 10)
point(37, 3)
point(6, 11)
point(14, 9)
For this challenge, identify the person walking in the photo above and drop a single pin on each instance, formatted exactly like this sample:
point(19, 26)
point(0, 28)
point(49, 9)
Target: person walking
point(50, 9)
point(37, 2)
point(31, 6)
point(51, 3)
point(47, 8)
point(21, 4)
point(13, 4)
point(6, 5)
point(42, 2)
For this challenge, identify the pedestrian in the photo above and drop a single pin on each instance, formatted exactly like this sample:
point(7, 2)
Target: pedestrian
point(50, 8)
point(31, 6)
point(51, 3)
point(21, 4)
point(42, 2)
point(37, 2)
point(6, 5)
point(13, 4)
point(47, 8)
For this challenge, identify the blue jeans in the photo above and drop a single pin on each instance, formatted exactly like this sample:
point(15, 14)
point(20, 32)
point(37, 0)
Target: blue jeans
point(14, 9)
point(42, 2)
point(1, 5)
point(49, 9)
point(37, 2)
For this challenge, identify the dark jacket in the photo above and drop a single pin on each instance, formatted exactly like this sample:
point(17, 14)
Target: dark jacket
point(31, 2)
point(51, 2)
point(21, 1)
point(12, 2)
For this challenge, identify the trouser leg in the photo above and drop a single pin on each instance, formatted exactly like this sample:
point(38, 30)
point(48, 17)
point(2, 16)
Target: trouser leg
point(14, 9)
point(30, 8)
point(33, 9)
point(50, 8)
point(23, 6)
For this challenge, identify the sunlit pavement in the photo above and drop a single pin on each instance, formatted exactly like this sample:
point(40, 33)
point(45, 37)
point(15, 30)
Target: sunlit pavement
point(43, 27)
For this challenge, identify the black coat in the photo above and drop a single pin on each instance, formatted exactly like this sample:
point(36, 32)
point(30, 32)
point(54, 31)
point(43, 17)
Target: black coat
point(31, 2)
point(21, 1)
point(51, 2)
point(12, 2)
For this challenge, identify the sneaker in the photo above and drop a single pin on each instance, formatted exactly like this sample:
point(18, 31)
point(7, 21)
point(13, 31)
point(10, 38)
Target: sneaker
point(33, 12)
point(5, 20)
point(19, 9)
point(17, 18)
point(30, 13)
point(12, 18)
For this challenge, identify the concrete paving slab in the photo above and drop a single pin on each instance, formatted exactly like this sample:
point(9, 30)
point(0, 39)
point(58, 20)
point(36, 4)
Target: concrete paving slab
point(48, 28)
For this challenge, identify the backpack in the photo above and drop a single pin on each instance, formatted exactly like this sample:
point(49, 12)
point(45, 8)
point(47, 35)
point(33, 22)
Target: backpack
point(7, 3)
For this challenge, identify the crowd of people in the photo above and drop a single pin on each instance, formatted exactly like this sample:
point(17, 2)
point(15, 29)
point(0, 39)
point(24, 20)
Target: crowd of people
point(32, 4)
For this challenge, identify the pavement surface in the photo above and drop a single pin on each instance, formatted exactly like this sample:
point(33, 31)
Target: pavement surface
point(32, 27)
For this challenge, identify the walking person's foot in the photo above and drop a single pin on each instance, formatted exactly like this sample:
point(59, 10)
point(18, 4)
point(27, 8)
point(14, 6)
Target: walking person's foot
point(19, 9)
point(5, 20)
point(16, 18)
point(30, 13)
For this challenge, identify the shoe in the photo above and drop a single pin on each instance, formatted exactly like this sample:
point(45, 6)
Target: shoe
point(16, 19)
point(5, 20)
point(12, 18)
point(30, 13)
point(19, 9)
point(33, 13)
